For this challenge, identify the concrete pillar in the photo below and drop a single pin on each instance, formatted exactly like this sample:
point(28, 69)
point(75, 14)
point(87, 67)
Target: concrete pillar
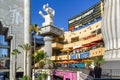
point(48, 45)
point(12, 58)
point(11, 63)
point(111, 29)
point(111, 34)
point(27, 33)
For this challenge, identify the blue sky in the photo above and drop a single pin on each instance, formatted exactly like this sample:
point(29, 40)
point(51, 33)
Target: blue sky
point(64, 9)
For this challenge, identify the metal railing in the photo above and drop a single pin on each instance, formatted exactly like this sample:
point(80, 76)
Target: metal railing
point(111, 73)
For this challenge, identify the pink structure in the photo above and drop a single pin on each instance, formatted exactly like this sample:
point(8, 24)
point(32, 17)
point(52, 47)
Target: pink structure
point(66, 75)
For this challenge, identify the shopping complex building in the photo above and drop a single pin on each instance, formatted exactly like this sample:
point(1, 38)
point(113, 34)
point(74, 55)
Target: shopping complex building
point(81, 43)
point(83, 40)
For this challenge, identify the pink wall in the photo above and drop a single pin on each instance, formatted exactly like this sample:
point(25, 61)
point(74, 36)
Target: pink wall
point(66, 74)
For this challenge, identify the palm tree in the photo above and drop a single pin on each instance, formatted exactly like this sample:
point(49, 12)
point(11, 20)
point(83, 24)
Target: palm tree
point(42, 59)
point(34, 29)
point(15, 52)
point(26, 47)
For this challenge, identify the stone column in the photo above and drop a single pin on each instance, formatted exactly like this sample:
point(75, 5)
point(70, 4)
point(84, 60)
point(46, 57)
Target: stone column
point(48, 45)
point(11, 62)
point(111, 32)
point(12, 57)
point(111, 29)
point(27, 33)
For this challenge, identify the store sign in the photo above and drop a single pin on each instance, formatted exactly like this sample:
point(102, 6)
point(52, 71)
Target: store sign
point(82, 16)
point(73, 56)
point(85, 55)
point(86, 17)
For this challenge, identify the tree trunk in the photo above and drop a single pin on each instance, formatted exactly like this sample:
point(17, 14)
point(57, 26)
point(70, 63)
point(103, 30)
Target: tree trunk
point(25, 72)
point(34, 59)
point(15, 66)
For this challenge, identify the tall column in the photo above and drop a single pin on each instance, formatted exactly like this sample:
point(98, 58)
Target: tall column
point(48, 45)
point(12, 57)
point(27, 33)
point(110, 31)
point(11, 62)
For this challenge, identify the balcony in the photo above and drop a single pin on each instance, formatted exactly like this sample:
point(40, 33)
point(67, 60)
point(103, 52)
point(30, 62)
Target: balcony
point(97, 52)
point(53, 57)
point(63, 57)
point(85, 41)
point(57, 45)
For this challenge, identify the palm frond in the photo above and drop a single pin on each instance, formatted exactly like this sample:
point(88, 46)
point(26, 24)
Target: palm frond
point(15, 51)
point(25, 46)
point(34, 28)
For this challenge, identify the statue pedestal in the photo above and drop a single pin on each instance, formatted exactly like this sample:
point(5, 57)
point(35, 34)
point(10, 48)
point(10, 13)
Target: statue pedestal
point(49, 32)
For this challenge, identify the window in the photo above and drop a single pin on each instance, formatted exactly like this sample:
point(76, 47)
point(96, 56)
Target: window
point(99, 31)
point(75, 39)
point(93, 32)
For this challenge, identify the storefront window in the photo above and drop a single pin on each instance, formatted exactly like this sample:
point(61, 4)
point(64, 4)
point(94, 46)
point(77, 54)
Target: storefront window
point(4, 53)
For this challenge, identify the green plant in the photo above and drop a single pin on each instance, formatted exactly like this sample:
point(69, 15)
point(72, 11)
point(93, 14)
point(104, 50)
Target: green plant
point(34, 29)
point(88, 63)
point(25, 77)
point(42, 76)
point(41, 57)
point(99, 60)
point(45, 75)
point(39, 77)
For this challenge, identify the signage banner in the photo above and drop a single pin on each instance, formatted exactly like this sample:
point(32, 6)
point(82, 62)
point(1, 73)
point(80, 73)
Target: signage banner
point(73, 56)
point(84, 55)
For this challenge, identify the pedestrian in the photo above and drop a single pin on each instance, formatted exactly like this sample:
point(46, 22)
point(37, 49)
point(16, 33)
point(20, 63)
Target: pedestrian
point(97, 71)
point(91, 74)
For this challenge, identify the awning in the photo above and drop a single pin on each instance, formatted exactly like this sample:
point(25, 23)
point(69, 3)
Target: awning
point(68, 61)
point(88, 60)
point(97, 41)
point(62, 62)
point(90, 44)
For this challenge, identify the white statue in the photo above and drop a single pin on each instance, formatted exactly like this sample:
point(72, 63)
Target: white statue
point(49, 17)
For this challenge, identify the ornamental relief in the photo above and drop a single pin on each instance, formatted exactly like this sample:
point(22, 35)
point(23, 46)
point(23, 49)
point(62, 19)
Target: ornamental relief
point(11, 14)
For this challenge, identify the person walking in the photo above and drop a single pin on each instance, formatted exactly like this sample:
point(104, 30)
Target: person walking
point(91, 74)
point(97, 71)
